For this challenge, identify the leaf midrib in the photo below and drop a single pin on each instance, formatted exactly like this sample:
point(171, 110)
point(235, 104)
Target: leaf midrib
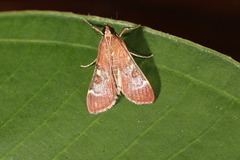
point(49, 42)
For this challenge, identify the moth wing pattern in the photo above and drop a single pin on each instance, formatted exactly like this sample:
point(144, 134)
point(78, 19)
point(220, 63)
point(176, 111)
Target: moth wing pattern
point(115, 72)
point(102, 90)
point(129, 78)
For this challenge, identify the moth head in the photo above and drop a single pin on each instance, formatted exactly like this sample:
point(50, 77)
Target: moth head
point(107, 30)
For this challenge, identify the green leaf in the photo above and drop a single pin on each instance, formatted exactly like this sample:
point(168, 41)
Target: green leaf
point(43, 113)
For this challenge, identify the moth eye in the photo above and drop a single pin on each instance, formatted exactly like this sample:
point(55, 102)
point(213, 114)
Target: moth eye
point(112, 30)
point(103, 31)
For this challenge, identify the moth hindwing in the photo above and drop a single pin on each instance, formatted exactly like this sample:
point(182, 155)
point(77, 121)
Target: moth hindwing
point(116, 72)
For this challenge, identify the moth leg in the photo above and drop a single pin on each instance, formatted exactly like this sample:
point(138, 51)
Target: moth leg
point(94, 27)
point(141, 56)
point(127, 28)
point(89, 64)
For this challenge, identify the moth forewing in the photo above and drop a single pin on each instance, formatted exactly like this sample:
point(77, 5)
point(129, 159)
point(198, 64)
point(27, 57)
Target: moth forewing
point(102, 90)
point(129, 78)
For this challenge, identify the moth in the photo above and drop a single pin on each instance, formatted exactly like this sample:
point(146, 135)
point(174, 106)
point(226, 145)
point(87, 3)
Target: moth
point(116, 72)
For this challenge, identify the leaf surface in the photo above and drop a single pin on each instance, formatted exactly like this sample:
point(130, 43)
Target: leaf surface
point(43, 113)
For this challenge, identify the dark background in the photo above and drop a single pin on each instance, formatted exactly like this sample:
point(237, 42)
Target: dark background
point(211, 23)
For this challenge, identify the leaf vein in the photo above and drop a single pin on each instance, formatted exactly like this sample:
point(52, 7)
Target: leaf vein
point(153, 124)
point(80, 135)
point(43, 123)
point(201, 82)
point(16, 113)
point(16, 70)
point(201, 135)
point(47, 42)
